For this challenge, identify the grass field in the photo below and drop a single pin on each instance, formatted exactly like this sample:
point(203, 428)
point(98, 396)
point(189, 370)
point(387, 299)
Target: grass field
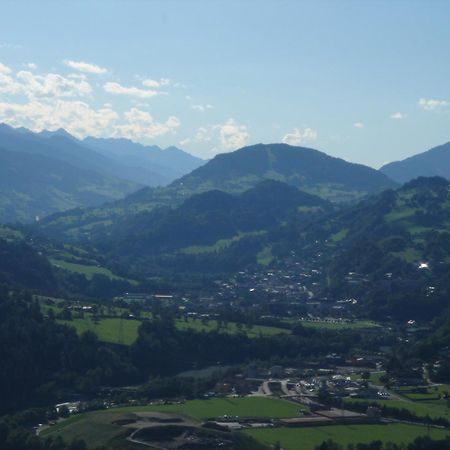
point(220, 245)
point(265, 257)
point(232, 328)
point(95, 428)
point(98, 427)
point(309, 438)
point(355, 325)
point(86, 270)
point(115, 331)
point(125, 331)
point(422, 409)
point(218, 407)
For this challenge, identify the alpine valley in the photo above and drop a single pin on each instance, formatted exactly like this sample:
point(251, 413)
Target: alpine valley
point(174, 302)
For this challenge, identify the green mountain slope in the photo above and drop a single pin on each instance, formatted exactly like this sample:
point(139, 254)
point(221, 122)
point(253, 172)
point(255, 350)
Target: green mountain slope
point(391, 252)
point(309, 170)
point(205, 224)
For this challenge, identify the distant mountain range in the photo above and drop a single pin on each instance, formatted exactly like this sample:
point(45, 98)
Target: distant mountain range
point(168, 164)
point(311, 171)
point(434, 162)
point(47, 172)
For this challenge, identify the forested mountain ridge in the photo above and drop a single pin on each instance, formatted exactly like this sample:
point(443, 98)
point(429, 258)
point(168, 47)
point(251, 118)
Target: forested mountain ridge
point(205, 227)
point(433, 162)
point(309, 170)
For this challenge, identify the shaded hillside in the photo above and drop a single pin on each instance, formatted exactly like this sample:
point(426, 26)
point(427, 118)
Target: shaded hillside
point(33, 185)
point(22, 266)
point(391, 252)
point(434, 162)
point(207, 224)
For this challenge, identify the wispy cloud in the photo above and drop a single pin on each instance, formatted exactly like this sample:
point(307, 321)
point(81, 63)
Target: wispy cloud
point(85, 67)
point(432, 104)
point(223, 137)
point(10, 45)
point(201, 108)
point(397, 116)
point(116, 88)
point(358, 125)
point(156, 83)
point(300, 136)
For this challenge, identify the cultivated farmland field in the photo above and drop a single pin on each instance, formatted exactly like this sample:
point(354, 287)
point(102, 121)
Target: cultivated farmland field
point(309, 438)
point(114, 331)
point(125, 331)
point(217, 407)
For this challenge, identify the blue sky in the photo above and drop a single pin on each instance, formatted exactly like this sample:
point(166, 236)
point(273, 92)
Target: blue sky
point(368, 81)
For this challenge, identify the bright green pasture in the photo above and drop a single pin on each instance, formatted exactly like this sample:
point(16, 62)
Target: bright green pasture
point(309, 438)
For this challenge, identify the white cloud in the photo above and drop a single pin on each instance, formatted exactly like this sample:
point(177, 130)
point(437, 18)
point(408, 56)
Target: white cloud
point(397, 116)
point(358, 125)
point(8, 85)
point(140, 124)
point(203, 134)
point(81, 120)
point(85, 67)
point(4, 69)
point(432, 104)
point(75, 116)
point(52, 85)
point(201, 108)
point(48, 85)
point(132, 91)
point(156, 83)
point(299, 136)
point(184, 142)
point(51, 101)
point(231, 135)
point(224, 137)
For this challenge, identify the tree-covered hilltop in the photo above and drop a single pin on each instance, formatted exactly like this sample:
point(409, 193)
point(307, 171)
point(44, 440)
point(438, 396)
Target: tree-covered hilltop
point(309, 170)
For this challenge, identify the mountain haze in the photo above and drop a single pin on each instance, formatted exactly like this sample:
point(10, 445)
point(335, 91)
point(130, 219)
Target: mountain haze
point(52, 171)
point(35, 185)
point(170, 163)
point(433, 162)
